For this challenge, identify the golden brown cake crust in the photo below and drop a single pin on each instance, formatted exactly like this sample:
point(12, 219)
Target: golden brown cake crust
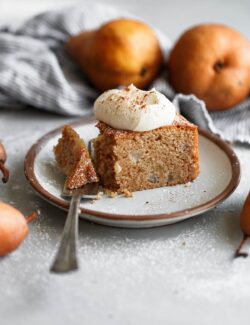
point(73, 159)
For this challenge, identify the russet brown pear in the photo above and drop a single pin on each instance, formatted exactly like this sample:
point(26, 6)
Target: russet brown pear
point(212, 62)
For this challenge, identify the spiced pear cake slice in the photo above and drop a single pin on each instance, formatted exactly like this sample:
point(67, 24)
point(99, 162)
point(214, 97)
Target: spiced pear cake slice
point(73, 159)
point(143, 143)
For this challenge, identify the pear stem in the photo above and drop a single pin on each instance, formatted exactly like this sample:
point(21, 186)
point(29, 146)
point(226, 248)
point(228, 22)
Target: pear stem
point(34, 215)
point(238, 252)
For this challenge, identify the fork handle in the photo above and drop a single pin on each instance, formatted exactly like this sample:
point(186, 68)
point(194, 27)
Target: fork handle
point(66, 257)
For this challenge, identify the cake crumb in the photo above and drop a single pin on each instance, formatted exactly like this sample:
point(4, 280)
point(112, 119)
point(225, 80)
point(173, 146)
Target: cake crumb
point(127, 193)
point(111, 194)
point(187, 184)
point(99, 195)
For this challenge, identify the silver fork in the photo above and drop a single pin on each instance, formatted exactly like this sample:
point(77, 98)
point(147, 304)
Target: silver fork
point(66, 257)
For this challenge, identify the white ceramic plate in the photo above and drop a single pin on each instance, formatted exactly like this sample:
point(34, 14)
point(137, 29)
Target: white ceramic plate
point(219, 176)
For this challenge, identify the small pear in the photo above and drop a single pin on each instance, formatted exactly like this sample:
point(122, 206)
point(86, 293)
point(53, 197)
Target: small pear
point(3, 168)
point(211, 61)
point(245, 227)
point(119, 53)
point(13, 228)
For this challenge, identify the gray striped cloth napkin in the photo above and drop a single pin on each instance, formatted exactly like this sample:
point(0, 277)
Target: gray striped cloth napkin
point(36, 71)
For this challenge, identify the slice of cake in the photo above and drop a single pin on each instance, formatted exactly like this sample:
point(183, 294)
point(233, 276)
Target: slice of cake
point(143, 142)
point(73, 159)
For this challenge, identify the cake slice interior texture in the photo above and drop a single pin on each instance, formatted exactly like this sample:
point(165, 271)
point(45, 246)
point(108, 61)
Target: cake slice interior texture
point(134, 161)
point(73, 159)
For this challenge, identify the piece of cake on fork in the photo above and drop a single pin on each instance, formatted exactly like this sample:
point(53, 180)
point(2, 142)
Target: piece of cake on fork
point(73, 159)
point(143, 142)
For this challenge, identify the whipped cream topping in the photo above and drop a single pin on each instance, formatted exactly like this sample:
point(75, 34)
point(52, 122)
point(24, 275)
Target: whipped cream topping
point(134, 109)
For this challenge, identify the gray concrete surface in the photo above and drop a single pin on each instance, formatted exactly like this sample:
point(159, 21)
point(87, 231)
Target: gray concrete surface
point(180, 274)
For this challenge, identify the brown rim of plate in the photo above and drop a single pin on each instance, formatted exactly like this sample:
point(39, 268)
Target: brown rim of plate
point(31, 177)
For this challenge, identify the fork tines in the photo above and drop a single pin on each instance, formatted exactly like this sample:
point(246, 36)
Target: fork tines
point(88, 191)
